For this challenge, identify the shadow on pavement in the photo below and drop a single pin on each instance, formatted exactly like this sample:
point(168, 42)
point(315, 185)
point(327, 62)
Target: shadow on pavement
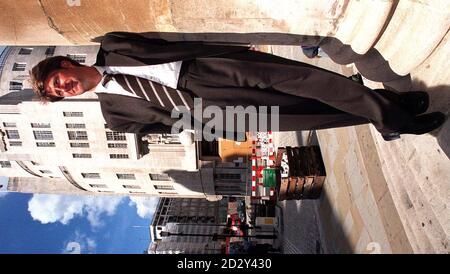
point(439, 101)
point(311, 227)
point(334, 239)
point(300, 230)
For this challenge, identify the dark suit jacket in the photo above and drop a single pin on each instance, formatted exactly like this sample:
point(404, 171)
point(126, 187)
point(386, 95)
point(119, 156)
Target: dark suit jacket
point(128, 114)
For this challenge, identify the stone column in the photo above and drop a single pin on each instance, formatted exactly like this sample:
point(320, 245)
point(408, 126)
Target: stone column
point(405, 32)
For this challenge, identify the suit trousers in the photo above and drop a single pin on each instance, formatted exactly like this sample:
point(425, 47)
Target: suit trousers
point(308, 97)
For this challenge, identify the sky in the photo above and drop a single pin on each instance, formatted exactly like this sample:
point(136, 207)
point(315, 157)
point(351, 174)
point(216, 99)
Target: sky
point(54, 224)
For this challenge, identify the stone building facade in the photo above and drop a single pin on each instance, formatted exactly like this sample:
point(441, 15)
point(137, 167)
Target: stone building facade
point(185, 217)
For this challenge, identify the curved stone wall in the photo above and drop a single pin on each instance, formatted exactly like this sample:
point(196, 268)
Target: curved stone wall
point(414, 31)
point(405, 32)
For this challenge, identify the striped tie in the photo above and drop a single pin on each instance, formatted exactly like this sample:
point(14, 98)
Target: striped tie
point(160, 95)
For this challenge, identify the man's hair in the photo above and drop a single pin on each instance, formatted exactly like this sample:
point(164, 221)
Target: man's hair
point(41, 71)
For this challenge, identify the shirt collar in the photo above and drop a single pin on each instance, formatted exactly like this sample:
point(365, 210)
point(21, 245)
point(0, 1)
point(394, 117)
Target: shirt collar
point(99, 87)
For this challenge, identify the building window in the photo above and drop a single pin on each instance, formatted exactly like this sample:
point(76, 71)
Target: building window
point(25, 51)
point(19, 66)
point(9, 124)
point(164, 187)
point(115, 136)
point(45, 144)
point(79, 144)
point(159, 177)
point(166, 193)
point(137, 192)
point(15, 143)
point(172, 219)
point(43, 135)
point(125, 176)
point(209, 149)
point(228, 176)
point(80, 58)
point(5, 164)
point(118, 156)
point(98, 185)
point(50, 51)
point(12, 134)
point(117, 145)
point(105, 191)
point(131, 186)
point(15, 85)
point(40, 125)
point(91, 175)
point(75, 126)
point(192, 219)
point(45, 171)
point(72, 114)
point(81, 155)
point(77, 135)
point(231, 190)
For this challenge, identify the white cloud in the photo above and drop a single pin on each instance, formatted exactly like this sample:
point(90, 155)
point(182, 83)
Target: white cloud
point(145, 206)
point(79, 243)
point(57, 208)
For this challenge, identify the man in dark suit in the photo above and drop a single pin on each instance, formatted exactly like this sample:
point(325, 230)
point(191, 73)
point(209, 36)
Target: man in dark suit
point(150, 77)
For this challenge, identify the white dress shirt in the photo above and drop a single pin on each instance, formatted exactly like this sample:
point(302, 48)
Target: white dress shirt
point(166, 74)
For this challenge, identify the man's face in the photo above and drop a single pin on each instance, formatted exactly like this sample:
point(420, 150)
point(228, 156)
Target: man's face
point(68, 81)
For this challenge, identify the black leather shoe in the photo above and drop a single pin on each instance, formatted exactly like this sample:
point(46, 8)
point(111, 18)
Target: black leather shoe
point(416, 102)
point(422, 124)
